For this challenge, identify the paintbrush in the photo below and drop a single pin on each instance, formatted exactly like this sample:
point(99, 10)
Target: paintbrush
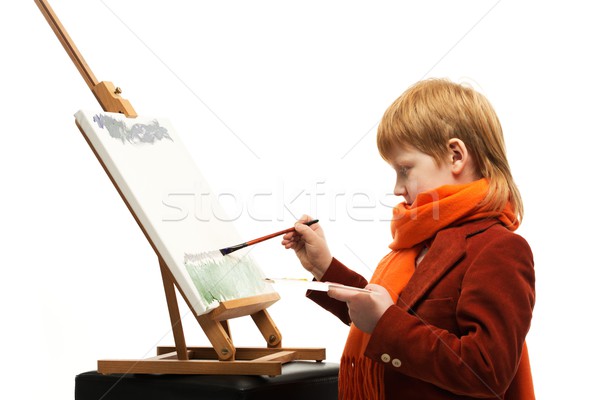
point(231, 249)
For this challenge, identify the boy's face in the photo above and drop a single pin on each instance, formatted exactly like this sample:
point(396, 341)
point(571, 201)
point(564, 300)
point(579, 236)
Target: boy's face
point(417, 172)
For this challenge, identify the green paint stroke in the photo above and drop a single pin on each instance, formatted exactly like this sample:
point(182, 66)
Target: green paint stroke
point(220, 278)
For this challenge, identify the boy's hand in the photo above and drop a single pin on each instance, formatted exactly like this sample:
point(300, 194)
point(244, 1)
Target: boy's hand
point(310, 246)
point(365, 309)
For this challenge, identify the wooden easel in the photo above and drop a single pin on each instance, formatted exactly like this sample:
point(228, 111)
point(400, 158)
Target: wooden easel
point(223, 357)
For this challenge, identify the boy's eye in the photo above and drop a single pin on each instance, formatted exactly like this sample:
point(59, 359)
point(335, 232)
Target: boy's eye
point(403, 170)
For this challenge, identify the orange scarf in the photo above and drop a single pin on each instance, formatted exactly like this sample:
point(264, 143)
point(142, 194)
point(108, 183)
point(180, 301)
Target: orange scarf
point(412, 226)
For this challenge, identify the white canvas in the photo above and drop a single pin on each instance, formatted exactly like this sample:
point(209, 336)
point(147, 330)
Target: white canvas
point(168, 194)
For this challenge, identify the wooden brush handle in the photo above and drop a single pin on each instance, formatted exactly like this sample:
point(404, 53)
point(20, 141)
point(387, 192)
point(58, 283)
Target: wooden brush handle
point(272, 235)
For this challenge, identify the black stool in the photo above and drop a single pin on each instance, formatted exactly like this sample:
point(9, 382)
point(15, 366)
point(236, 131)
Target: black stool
point(299, 380)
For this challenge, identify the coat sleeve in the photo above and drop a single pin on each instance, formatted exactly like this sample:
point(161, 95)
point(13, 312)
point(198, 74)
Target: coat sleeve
point(493, 315)
point(338, 273)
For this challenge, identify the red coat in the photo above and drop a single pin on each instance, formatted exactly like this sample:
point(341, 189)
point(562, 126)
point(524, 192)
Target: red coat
point(458, 328)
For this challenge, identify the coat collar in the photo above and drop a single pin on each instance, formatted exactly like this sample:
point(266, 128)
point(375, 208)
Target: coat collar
point(448, 247)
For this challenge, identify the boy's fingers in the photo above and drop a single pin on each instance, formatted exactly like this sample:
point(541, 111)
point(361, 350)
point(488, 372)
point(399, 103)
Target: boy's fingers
point(341, 294)
point(288, 236)
point(303, 229)
point(376, 288)
point(305, 218)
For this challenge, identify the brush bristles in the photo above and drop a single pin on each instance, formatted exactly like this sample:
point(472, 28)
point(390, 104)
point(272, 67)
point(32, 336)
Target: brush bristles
point(220, 278)
point(202, 257)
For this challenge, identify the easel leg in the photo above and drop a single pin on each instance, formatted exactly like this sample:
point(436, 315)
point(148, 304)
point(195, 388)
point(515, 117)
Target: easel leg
point(225, 325)
point(218, 337)
point(267, 327)
point(174, 312)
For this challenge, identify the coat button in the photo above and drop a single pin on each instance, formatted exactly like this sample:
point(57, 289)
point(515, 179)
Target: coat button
point(385, 358)
point(396, 363)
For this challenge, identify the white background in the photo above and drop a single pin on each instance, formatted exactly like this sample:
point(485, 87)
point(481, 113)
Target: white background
point(278, 103)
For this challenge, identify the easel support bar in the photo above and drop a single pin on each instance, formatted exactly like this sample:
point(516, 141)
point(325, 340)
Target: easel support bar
point(105, 92)
point(65, 40)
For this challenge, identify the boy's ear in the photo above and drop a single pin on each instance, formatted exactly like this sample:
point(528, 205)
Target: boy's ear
point(459, 155)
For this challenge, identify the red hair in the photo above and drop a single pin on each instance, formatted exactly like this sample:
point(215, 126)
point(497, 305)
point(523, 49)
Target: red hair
point(431, 112)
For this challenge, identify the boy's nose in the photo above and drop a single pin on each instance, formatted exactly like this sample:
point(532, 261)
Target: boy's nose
point(399, 190)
